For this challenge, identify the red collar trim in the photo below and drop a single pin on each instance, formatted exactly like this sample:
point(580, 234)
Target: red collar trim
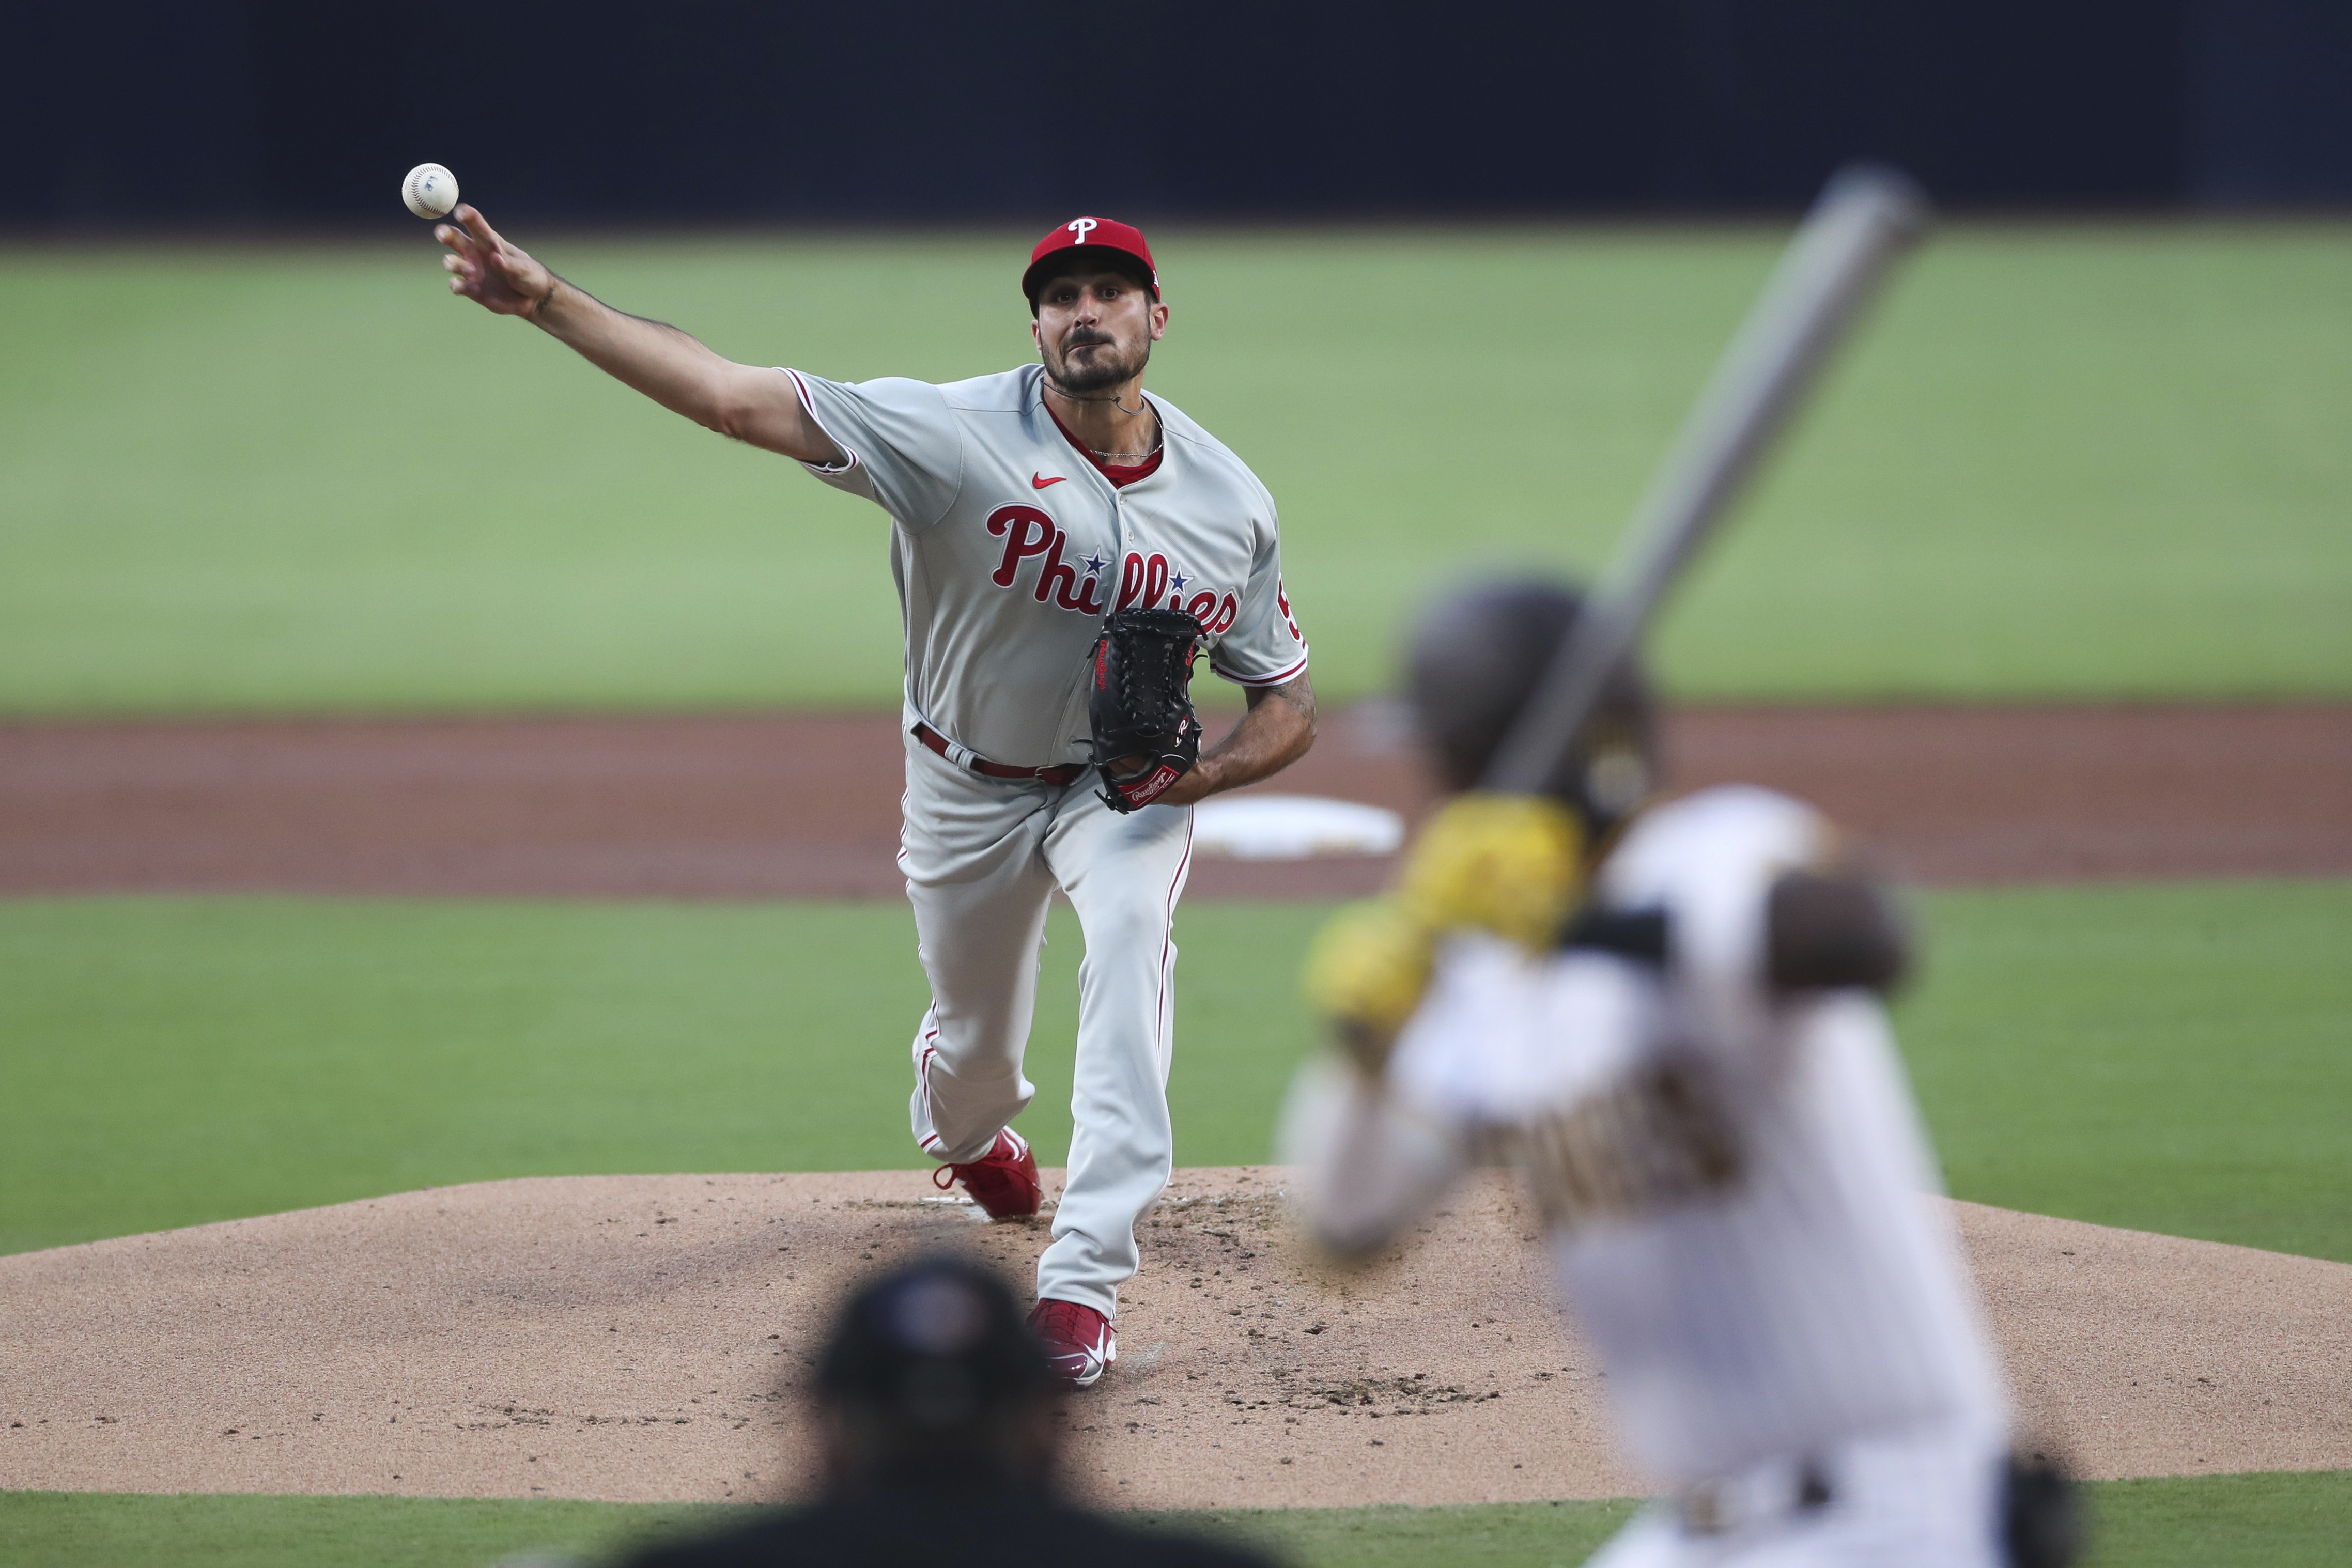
point(1120, 475)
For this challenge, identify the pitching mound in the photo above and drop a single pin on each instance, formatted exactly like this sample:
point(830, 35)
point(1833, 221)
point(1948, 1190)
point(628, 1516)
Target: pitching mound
point(647, 1337)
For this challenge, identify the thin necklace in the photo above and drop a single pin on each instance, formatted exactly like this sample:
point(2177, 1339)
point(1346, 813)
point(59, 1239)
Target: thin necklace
point(1112, 400)
point(1158, 435)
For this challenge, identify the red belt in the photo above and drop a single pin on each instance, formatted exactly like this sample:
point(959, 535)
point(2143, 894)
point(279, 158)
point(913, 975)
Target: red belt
point(1059, 774)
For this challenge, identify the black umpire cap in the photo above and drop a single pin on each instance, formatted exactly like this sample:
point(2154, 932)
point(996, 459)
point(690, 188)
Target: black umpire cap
point(935, 1349)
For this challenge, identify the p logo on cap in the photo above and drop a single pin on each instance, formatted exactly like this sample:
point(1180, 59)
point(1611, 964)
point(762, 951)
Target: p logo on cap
point(1095, 233)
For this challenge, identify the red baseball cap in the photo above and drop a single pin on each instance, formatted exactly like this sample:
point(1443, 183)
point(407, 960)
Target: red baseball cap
point(1090, 234)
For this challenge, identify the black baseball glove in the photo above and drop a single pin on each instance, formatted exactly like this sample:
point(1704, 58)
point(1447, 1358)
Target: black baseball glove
point(1139, 706)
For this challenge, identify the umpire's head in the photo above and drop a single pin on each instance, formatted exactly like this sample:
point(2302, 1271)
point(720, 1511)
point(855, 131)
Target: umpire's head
point(930, 1361)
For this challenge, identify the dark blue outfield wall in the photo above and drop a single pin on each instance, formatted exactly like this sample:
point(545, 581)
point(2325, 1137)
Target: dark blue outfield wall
point(145, 113)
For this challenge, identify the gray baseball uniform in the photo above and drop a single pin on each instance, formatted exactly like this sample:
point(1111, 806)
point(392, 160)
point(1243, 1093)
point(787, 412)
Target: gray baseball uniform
point(1008, 547)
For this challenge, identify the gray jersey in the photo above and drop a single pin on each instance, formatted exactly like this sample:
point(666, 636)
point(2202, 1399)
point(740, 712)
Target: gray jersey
point(1009, 546)
point(1734, 1182)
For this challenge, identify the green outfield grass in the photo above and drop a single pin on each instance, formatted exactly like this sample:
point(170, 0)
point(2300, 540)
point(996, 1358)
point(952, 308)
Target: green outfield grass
point(2169, 1057)
point(2270, 1521)
point(2066, 462)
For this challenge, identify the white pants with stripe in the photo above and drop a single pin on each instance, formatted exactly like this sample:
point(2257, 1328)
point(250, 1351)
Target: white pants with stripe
point(981, 857)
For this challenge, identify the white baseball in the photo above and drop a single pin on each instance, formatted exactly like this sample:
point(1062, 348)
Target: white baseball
point(430, 191)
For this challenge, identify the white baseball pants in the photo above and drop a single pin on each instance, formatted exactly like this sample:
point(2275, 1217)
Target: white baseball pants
point(981, 857)
point(1928, 1499)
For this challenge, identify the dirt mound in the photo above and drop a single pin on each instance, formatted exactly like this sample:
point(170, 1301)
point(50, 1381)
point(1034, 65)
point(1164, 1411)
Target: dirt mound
point(799, 806)
point(648, 1337)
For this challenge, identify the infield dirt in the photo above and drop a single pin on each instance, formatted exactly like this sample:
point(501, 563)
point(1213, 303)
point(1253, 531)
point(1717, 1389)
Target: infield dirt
point(650, 1337)
point(805, 806)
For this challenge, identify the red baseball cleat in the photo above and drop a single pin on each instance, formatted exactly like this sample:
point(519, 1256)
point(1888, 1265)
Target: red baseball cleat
point(1003, 1181)
point(1078, 1341)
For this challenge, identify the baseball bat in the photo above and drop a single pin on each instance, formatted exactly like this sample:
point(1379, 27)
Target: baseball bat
point(1864, 221)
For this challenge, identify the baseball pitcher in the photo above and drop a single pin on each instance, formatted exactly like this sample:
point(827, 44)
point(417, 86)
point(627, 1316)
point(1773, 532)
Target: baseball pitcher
point(1064, 547)
point(1668, 1016)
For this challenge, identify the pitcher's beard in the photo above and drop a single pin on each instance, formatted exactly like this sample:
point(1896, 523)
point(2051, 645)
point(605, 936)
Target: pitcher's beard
point(1100, 375)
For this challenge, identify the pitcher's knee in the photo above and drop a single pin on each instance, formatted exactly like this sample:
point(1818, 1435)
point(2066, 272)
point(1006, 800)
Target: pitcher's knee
point(978, 1055)
point(1138, 939)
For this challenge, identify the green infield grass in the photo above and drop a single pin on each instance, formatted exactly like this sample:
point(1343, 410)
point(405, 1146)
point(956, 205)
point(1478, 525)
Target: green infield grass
point(2064, 461)
point(2174, 1057)
point(177, 1060)
point(2170, 1057)
point(2264, 1521)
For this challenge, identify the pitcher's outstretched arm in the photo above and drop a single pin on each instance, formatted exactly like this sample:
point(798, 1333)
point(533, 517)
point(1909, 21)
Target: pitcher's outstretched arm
point(749, 403)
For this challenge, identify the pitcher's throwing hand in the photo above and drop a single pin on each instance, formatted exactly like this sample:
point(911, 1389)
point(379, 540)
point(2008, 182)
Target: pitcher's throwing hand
point(488, 270)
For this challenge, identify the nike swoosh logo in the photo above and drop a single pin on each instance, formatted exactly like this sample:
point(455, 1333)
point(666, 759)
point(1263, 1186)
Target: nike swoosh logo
point(1037, 481)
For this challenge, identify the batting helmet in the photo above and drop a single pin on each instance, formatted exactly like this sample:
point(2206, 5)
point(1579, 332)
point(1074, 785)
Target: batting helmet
point(1477, 658)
